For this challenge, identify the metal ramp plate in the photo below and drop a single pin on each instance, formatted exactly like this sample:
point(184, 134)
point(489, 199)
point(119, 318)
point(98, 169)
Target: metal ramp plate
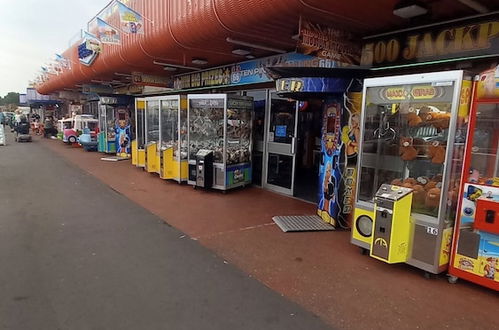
point(301, 223)
point(114, 158)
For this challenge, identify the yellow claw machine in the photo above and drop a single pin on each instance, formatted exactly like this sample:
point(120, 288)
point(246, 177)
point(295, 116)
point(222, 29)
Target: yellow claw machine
point(138, 143)
point(151, 143)
point(413, 131)
point(173, 148)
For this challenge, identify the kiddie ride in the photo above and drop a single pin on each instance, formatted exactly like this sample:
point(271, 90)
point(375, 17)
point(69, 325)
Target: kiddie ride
point(413, 136)
point(475, 252)
point(72, 128)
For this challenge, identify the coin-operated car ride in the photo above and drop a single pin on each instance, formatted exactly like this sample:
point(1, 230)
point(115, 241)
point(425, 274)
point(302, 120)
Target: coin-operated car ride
point(73, 127)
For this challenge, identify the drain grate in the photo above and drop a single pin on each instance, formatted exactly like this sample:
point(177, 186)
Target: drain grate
point(301, 223)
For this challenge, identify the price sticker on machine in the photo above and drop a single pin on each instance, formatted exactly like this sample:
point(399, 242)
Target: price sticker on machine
point(432, 231)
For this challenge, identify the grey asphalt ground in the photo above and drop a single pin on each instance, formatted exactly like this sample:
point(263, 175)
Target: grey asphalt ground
point(74, 254)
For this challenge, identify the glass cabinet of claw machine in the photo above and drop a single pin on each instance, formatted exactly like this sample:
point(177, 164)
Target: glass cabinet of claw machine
point(107, 135)
point(475, 255)
point(114, 125)
point(173, 138)
point(413, 135)
point(221, 123)
point(138, 144)
point(152, 135)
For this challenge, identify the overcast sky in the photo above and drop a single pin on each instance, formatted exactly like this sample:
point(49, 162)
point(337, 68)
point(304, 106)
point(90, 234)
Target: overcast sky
point(32, 31)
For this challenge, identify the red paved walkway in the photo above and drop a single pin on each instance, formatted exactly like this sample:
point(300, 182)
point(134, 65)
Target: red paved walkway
point(321, 271)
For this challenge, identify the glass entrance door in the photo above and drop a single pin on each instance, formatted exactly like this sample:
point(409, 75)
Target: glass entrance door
point(281, 145)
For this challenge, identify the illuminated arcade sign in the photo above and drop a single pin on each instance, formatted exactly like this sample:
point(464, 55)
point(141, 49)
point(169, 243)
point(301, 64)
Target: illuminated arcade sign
point(311, 85)
point(418, 92)
point(446, 42)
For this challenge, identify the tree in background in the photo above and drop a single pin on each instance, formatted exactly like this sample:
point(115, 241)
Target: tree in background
point(11, 98)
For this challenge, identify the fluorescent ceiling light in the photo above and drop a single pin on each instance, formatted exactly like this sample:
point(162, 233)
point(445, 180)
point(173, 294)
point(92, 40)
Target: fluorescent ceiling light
point(169, 68)
point(250, 57)
point(256, 46)
point(409, 9)
point(241, 51)
point(199, 61)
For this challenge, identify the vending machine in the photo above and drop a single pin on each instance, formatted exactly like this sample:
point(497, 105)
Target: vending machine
point(475, 251)
point(413, 130)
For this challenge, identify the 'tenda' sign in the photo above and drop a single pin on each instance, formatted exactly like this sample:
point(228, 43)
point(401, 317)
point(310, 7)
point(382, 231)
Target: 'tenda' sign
point(441, 42)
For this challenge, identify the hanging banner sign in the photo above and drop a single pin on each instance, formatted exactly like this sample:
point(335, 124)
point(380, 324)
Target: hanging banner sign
point(150, 80)
point(131, 21)
point(89, 49)
point(330, 43)
point(249, 72)
point(107, 34)
point(467, 38)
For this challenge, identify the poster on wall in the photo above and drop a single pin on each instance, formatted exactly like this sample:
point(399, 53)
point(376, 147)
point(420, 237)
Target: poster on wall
point(330, 43)
point(130, 21)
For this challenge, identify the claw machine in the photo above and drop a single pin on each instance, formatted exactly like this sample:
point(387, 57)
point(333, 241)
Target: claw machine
point(172, 148)
point(413, 130)
point(137, 145)
point(151, 143)
point(475, 252)
point(219, 140)
point(115, 125)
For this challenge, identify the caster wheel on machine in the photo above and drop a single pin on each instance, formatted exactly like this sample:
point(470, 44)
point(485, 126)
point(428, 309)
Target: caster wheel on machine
point(364, 251)
point(452, 279)
point(429, 276)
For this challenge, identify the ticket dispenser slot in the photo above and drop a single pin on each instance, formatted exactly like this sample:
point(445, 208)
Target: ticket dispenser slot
point(204, 168)
point(392, 227)
point(487, 215)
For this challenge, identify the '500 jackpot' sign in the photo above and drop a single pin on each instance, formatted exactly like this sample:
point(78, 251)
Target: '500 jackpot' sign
point(445, 42)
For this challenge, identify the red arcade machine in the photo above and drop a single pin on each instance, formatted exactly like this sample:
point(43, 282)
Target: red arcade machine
point(475, 252)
